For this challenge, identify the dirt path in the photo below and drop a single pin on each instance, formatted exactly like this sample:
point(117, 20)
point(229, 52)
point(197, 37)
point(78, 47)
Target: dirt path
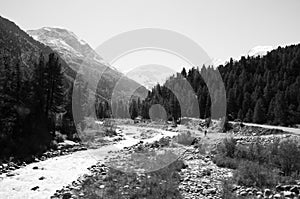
point(286, 129)
point(52, 174)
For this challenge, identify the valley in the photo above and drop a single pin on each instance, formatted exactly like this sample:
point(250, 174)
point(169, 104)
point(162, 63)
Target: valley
point(66, 175)
point(102, 100)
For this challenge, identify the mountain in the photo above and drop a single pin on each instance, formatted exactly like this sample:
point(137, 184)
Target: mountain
point(150, 75)
point(260, 51)
point(17, 44)
point(77, 53)
point(72, 49)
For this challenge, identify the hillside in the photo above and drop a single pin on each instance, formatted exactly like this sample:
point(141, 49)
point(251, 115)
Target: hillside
point(77, 53)
point(259, 89)
point(102, 79)
point(17, 44)
point(38, 83)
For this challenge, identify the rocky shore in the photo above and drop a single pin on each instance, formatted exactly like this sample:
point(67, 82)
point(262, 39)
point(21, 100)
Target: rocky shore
point(63, 148)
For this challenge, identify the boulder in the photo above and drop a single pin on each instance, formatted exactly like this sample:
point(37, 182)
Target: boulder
point(295, 190)
point(279, 188)
point(288, 194)
point(267, 192)
point(277, 196)
point(243, 193)
point(67, 144)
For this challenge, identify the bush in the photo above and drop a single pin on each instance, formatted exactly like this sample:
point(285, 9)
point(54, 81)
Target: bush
point(227, 147)
point(203, 147)
point(253, 174)
point(162, 183)
point(258, 152)
point(164, 141)
point(261, 165)
point(227, 162)
point(59, 137)
point(227, 191)
point(288, 156)
point(110, 128)
point(184, 138)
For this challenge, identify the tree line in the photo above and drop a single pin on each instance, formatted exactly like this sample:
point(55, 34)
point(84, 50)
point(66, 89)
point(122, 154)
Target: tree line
point(264, 90)
point(30, 101)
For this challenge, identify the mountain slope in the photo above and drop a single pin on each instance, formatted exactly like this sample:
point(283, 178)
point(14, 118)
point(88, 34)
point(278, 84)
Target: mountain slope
point(69, 46)
point(150, 75)
point(78, 54)
point(17, 44)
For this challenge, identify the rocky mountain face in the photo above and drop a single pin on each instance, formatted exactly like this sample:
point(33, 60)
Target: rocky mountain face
point(79, 55)
point(72, 49)
point(17, 44)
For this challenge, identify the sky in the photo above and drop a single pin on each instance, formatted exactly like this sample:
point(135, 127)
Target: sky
point(222, 28)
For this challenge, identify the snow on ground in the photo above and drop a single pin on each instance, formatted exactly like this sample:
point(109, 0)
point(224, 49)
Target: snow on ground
point(61, 171)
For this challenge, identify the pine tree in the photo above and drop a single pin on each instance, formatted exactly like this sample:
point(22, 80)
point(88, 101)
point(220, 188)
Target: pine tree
point(280, 110)
point(58, 89)
point(259, 115)
point(249, 116)
point(183, 72)
point(133, 109)
point(174, 107)
point(80, 100)
point(231, 105)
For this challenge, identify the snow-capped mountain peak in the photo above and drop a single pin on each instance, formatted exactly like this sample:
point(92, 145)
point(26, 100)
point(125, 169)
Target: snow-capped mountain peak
point(68, 45)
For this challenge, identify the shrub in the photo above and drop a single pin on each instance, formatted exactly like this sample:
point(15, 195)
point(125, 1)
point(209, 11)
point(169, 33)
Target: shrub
point(227, 162)
point(164, 141)
point(227, 147)
point(59, 137)
point(203, 147)
point(162, 183)
point(259, 164)
point(241, 152)
point(227, 191)
point(252, 173)
point(110, 128)
point(288, 156)
point(184, 138)
point(257, 152)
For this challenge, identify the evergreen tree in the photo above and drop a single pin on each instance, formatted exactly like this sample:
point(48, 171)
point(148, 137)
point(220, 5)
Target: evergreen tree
point(80, 100)
point(183, 72)
point(259, 115)
point(249, 116)
point(280, 110)
point(133, 109)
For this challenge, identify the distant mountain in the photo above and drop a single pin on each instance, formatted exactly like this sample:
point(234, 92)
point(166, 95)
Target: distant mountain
point(77, 53)
point(150, 75)
point(260, 51)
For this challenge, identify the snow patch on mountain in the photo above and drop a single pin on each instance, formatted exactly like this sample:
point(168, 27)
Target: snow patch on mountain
point(150, 75)
point(260, 51)
point(70, 47)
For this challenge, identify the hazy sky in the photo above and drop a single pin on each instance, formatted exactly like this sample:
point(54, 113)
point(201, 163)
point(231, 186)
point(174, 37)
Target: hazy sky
point(224, 28)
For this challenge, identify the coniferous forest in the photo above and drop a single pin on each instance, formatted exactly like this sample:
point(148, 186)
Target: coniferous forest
point(30, 104)
point(264, 90)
